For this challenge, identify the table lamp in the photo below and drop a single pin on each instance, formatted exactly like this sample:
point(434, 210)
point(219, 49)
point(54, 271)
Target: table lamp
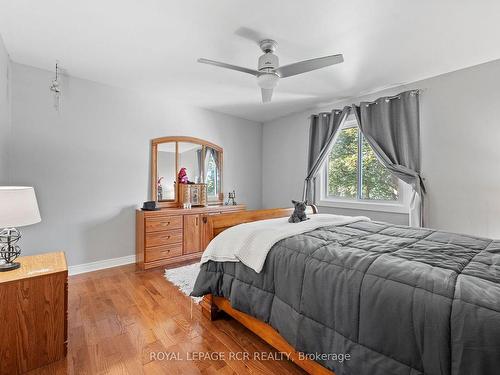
point(18, 208)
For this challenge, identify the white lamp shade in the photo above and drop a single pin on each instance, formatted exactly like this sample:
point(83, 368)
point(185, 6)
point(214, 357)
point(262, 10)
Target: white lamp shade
point(18, 206)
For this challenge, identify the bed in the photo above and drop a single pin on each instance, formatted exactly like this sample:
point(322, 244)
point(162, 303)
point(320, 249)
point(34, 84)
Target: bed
point(395, 299)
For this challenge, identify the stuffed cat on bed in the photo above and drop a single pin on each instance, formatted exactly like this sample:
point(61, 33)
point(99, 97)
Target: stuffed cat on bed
point(299, 214)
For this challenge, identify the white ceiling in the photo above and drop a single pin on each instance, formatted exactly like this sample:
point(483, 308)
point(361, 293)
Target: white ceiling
point(154, 44)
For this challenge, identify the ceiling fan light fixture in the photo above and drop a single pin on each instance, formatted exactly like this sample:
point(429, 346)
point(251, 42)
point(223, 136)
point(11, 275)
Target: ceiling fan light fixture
point(267, 80)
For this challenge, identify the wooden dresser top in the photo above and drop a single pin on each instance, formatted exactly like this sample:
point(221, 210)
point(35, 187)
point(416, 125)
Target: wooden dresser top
point(36, 265)
point(194, 210)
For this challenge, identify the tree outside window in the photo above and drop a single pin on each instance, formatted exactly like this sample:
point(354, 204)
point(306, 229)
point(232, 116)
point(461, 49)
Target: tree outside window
point(355, 173)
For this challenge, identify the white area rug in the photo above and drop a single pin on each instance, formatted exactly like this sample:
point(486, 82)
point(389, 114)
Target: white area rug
point(184, 278)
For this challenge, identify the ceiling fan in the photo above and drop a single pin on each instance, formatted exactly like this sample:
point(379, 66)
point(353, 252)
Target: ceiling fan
point(269, 72)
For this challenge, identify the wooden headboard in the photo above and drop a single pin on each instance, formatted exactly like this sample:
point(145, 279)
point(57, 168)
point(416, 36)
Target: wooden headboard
point(215, 224)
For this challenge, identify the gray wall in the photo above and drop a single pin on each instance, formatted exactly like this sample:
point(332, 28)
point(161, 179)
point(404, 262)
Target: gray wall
point(460, 151)
point(89, 163)
point(5, 113)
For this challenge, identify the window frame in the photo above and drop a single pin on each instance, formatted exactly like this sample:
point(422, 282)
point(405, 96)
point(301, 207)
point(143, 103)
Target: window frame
point(402, 205)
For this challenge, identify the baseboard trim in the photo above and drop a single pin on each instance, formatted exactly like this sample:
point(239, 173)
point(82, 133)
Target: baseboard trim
point(100, 264)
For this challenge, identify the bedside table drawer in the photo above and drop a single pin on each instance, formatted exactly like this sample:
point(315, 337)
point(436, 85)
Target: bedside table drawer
point(156, 224)
point(167, 237)
point(162, 252)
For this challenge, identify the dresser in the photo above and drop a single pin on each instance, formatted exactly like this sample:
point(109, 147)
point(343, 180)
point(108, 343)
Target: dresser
point(174, 235)
point(33, 313)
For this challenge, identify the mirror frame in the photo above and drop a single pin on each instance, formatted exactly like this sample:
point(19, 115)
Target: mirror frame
point(154, 168)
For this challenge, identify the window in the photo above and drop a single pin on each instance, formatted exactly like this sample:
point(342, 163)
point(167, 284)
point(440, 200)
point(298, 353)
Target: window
point(354, 174)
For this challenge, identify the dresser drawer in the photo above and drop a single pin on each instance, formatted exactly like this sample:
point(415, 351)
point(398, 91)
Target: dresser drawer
point(162, 252)
point(156, 224)
point(166, 237)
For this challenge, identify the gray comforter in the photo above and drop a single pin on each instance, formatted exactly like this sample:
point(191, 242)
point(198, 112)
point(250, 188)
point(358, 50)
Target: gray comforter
point(398, 300)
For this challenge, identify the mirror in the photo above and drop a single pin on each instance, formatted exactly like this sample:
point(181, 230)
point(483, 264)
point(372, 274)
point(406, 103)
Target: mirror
point(201, 159)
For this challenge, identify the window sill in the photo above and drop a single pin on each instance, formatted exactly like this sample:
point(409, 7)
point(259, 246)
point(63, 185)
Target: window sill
point(365, 205)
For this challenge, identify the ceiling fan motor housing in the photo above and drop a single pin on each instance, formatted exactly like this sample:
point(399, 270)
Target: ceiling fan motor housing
point(268, 61)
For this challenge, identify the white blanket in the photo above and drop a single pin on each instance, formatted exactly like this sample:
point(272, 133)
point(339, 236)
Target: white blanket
point(250, 242)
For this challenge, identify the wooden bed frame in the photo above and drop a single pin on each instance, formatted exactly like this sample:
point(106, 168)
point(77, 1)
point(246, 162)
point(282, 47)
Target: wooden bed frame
point(211, 305)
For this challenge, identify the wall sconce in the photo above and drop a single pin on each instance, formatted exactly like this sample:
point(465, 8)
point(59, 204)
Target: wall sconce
point(56, 89)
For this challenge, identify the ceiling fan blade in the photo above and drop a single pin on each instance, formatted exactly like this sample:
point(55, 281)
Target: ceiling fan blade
point(250, 34)
point(267, 94)
point(229, 66)
point(308, 65)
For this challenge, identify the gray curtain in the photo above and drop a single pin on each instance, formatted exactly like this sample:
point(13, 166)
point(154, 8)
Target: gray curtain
point(210, 152)
point(391, 126)
point(215, 155)
point(199, 158)
point(322, 133)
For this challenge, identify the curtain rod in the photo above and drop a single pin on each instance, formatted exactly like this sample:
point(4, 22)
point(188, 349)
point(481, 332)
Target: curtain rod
point(398, 96)
point(337, 111)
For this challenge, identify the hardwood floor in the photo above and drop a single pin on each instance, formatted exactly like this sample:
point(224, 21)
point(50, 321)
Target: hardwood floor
point(123, 321)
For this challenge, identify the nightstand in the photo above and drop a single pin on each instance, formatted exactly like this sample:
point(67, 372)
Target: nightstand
point(33, 313)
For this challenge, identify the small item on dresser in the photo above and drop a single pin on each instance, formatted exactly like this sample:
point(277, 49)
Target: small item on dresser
point(231, 199)
point(193, 195)
point(18, 209)
point(299, 214)
point(185, 196)
point(182, 177)
point(150, 206)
